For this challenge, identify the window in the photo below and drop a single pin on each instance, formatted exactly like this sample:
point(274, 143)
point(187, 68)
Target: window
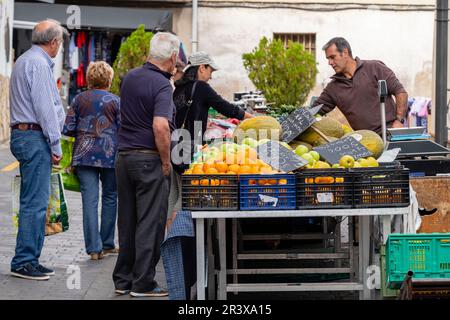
point(308, 40)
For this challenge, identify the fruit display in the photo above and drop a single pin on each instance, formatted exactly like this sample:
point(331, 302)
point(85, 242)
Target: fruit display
point(227, 158)
point(258, 128)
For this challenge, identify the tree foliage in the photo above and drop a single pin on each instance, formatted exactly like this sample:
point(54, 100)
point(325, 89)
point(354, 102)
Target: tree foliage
point(133, 53)
point(285, 75)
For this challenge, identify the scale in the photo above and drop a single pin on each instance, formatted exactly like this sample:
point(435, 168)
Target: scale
point(413, 142)
point(422, 156)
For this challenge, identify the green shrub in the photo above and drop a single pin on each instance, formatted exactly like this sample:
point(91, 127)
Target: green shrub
point(284, 75)
point(133, 53)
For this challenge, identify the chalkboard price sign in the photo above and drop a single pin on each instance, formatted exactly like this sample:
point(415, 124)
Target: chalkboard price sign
point(297, 122)
point(280, 157)
point(334, 151)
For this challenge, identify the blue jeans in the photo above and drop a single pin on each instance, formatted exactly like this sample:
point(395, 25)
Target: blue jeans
point(32, 151)
point(94, 240)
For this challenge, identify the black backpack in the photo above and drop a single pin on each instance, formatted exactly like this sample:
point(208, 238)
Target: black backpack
point(185, 105)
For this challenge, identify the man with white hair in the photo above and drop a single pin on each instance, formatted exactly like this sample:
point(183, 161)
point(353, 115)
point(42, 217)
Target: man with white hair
point(143, 168)
point(37, 118)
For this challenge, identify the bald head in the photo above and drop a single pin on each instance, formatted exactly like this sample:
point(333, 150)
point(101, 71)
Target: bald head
point(46, 31)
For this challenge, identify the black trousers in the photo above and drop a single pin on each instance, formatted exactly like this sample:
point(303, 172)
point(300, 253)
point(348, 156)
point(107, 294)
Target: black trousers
point(143, 193)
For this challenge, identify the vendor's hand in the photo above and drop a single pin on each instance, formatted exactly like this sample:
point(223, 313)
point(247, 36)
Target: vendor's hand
point(166, 169)
point(397, 124)
point(248, 115)
point(56, 159)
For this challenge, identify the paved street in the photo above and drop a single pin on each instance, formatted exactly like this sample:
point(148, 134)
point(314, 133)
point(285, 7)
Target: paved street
point(59, 252)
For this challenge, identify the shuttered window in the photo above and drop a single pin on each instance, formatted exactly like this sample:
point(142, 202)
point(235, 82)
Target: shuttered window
point(308, 40)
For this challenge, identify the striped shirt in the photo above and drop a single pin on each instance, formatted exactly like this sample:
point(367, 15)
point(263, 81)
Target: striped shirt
point(34, 97)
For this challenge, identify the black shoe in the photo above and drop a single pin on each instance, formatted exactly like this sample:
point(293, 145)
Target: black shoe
point(46, 271)
point(29, 272)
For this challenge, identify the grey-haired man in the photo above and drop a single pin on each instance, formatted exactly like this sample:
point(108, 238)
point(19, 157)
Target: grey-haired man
point(37, 118)
point(143, 168)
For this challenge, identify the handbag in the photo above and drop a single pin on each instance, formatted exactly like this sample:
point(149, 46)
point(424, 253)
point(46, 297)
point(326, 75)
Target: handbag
point(56, 217)
point(68, 174)
point(180, 168)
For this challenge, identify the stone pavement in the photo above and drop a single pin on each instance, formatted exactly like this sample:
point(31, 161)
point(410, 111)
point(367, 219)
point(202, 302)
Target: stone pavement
point(59, 252)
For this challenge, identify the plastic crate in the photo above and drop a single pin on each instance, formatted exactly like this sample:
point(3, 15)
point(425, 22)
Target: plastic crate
point(324, 188)
point(209, 192)
point(380, 187)
point(427, 255)
point(267, 191)
point(386, 293)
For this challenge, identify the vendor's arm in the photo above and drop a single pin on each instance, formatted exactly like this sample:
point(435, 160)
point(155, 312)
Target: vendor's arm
point(214, 100)
point(395, 88)
point(401, 100)
point(327, 100)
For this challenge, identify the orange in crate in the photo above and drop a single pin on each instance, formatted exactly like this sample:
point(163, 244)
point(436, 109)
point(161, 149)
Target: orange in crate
point(212, 171)
point(221, 167)
point(244, 170)
point(204, 182)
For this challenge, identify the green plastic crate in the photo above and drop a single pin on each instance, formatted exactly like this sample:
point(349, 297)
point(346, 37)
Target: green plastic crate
point(426, 254)
point(385, 291)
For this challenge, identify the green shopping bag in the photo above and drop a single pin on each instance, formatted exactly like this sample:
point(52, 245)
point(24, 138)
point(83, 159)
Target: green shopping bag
point(57, 215)
point(69, 178)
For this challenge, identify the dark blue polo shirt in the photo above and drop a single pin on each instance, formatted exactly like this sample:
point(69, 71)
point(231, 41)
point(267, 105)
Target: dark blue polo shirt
point(145, 93)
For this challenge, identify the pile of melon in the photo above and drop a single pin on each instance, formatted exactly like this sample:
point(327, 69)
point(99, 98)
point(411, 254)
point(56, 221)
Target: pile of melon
point(268, 127)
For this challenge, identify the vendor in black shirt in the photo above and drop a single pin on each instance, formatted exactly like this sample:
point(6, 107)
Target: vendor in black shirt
point(198, 70)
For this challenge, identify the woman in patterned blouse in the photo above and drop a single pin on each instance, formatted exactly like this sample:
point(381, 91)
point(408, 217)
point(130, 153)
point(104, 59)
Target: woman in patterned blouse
point(94, 119)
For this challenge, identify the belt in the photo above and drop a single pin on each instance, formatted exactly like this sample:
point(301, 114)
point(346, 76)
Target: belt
point(27, 126)
point(148, 151)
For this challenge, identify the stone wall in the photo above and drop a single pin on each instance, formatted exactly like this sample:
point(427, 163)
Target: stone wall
point(4, 109)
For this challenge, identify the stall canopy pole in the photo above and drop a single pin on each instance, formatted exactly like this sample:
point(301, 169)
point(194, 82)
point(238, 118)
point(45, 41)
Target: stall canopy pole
point(441, 72)
point(194, 25)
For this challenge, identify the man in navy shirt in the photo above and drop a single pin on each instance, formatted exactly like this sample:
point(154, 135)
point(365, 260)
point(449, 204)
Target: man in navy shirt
point(143, 168)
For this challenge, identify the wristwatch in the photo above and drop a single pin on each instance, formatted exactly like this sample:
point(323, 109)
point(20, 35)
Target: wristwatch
point(402, 120)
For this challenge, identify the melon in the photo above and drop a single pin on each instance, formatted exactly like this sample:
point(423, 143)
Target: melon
point(328, 126)
point(369, 139)
point(259, 127)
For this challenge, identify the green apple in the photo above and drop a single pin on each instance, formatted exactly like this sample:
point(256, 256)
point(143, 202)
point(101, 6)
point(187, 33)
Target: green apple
point(250, 142)
point(308, 157)
point(315, 155)
point(301, 149)
point(347, 161)
point(357, 165)
point(322, 165)
point(263, 141)
point(372, 162)
point(284, 144)
point(336, 165)
point(364, 162)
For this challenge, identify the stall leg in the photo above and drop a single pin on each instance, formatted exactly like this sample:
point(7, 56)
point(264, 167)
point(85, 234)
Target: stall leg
point(364, 255)
point(200, 239)
point(222, 294)
point(211, 257)
point(234, 249)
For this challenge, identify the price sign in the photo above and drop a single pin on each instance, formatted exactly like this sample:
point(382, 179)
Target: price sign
point(295, 123)
point(334, 151)
point(280, 157)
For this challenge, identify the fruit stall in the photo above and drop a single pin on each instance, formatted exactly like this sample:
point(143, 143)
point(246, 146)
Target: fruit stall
point(327, 170)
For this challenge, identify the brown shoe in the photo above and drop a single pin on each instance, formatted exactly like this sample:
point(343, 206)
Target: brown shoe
point(113, 251)
point(97, 256)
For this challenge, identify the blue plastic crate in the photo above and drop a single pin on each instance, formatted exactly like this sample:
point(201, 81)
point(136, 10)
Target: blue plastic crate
point(267, 192)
